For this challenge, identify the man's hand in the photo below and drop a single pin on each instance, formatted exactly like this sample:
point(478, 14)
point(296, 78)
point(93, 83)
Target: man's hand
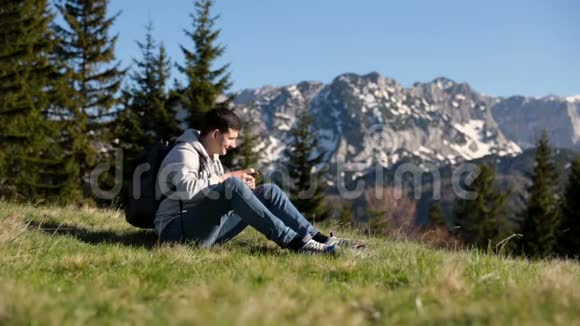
point(246, 175)
point(250, 181)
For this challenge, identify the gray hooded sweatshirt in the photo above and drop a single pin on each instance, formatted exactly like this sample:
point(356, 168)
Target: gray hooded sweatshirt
point(188, 170)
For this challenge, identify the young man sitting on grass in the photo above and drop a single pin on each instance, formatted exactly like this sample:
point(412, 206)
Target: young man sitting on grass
point(210, 207)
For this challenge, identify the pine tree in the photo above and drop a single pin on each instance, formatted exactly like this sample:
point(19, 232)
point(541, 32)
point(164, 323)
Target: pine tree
point(436, 215)
point(541, 215)
point(147, 117)
point(483, 221)
point(303, 156)
point(94, 79)
point(32, 164)
point(569, 231)
point(205, 85)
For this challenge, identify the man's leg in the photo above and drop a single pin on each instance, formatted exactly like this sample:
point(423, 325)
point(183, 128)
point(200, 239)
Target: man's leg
point(280, 205)
point(203, 220)
point(233, 226)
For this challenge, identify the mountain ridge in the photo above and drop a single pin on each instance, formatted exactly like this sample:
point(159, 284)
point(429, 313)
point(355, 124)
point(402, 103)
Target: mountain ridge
point(365, 122)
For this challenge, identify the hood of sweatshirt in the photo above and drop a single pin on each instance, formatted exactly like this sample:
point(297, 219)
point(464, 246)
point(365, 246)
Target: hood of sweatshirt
point(192, 136)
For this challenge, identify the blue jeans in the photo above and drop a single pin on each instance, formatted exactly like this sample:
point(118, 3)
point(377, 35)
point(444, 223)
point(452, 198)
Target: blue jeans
point(216, 220)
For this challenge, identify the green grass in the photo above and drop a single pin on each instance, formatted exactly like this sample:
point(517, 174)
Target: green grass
point(79, 266)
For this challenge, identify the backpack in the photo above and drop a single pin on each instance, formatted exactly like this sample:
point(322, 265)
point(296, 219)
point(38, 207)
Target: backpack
point(141, 202)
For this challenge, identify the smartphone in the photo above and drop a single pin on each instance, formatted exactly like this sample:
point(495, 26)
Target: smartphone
point(255, 174)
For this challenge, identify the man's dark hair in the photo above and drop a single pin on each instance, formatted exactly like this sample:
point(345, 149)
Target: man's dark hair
point(221, 119)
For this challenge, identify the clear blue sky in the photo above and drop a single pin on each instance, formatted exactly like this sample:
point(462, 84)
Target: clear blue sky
point(500, 47)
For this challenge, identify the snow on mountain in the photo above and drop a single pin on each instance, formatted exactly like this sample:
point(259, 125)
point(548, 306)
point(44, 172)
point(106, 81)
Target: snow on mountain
point(370, 120)
point(275, 109)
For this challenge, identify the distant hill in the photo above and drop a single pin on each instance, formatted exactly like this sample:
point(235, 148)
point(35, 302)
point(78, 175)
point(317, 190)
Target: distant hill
point(513, 174)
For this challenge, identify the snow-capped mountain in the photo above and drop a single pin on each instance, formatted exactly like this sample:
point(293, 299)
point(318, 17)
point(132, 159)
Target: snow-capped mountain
point(274, 111)
point(370, 119)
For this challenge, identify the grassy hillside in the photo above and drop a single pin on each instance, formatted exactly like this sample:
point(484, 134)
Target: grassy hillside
point(79, 266)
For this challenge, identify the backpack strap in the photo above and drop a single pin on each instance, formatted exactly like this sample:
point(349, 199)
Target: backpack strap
point(202, 164)
point(181, 219)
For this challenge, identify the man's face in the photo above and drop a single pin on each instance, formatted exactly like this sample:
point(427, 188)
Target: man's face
point(225, 141)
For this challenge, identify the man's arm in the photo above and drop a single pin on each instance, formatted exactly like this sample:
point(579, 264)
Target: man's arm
point(181, 170)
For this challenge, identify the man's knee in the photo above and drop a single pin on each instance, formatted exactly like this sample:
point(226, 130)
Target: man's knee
point(269, 190)
point(235, 184)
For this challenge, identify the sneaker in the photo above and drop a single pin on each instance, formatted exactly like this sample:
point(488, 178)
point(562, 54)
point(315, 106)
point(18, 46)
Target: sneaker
point(315, 247)
point(344, 242)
